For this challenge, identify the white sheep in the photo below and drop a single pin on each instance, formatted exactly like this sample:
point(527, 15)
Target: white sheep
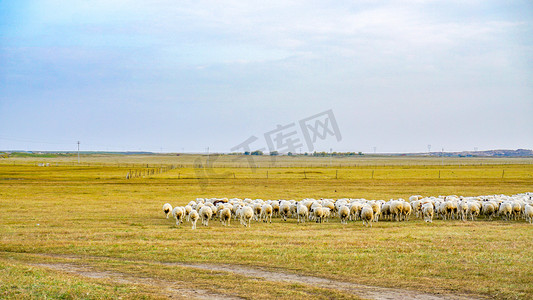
point(206, 213)
point(528, 213)
point(275, 208)
point(472, 210)
point(188, 210)
point(505, 211)
point(344, 214)
point(319, 213)
point(427, 212)
point(396, 210)
point(193, 217)
point(225, 216)
point(406, 211)
point(178, 213)
point(266, 213)
point(329, 204)
point(355, 210)
point(284, 210)
point(257, 210)
point(462, 209)
point(247, 213)
point(489, 209)
point(385, 211)
point(327, 213)
point(367, 215)
point(376, 207)
point(302, 212)
point(517, 210)
point(167, 208)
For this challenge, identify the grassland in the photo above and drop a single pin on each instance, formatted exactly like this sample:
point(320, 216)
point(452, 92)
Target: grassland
point(91, 216)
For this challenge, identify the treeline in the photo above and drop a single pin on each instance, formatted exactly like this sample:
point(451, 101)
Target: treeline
point(319, 154)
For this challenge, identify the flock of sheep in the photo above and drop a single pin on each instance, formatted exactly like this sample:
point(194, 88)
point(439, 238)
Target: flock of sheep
point(514, 207)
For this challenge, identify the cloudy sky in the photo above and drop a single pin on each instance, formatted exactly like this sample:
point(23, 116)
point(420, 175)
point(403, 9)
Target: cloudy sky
point(187, 75)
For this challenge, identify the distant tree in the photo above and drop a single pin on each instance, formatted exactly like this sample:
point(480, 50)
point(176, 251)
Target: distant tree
point(359, 153)
point(274, 153)
point(246, 152)
point(289, 153)
point(257, 152)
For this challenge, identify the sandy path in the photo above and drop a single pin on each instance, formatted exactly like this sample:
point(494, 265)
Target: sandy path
point(363, 291)
point(171, 289)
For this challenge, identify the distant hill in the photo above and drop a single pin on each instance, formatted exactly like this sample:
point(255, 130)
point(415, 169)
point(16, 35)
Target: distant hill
point(488, 153)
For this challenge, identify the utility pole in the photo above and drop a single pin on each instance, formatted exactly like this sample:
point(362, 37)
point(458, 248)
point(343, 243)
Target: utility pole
point(330, 156)
point(78, 152)
point(429, 149)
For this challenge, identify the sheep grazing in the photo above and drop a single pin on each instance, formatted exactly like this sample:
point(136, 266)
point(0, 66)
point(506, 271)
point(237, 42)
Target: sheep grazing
point(505, 211)
point(472, 210)
point(193, 217)
point(427, 212)
point(344, 213)
point(385, 211)
point(327, 213)
point(406, 211)
point(528, 213)
point(178, 213)
point(302, 212)
point(266, 213)
point(489, 209)
point(319, 213)
point(330, 205)
point(376, 207)
point(452, 207)
point(167, 208)
point(275, 208)
point(257, 211)
point(285, 210)
point(355, 210)
point(206, 213)
point(416, 205)
point(447, 209)
point(225, 216)
point(517, 210)
point(247, 213)
point(367, 215)
point(462, 208)
point(188, 210)
point(396, 210)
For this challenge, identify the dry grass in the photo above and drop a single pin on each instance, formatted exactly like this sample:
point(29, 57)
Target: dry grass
point(117, 224)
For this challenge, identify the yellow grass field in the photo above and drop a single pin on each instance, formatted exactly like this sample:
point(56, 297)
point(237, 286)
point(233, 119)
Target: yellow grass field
point(85, 231)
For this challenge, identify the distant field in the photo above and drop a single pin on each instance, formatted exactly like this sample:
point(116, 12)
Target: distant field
point(59, 220)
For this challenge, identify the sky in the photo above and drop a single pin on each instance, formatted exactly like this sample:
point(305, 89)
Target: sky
point(182, 76)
